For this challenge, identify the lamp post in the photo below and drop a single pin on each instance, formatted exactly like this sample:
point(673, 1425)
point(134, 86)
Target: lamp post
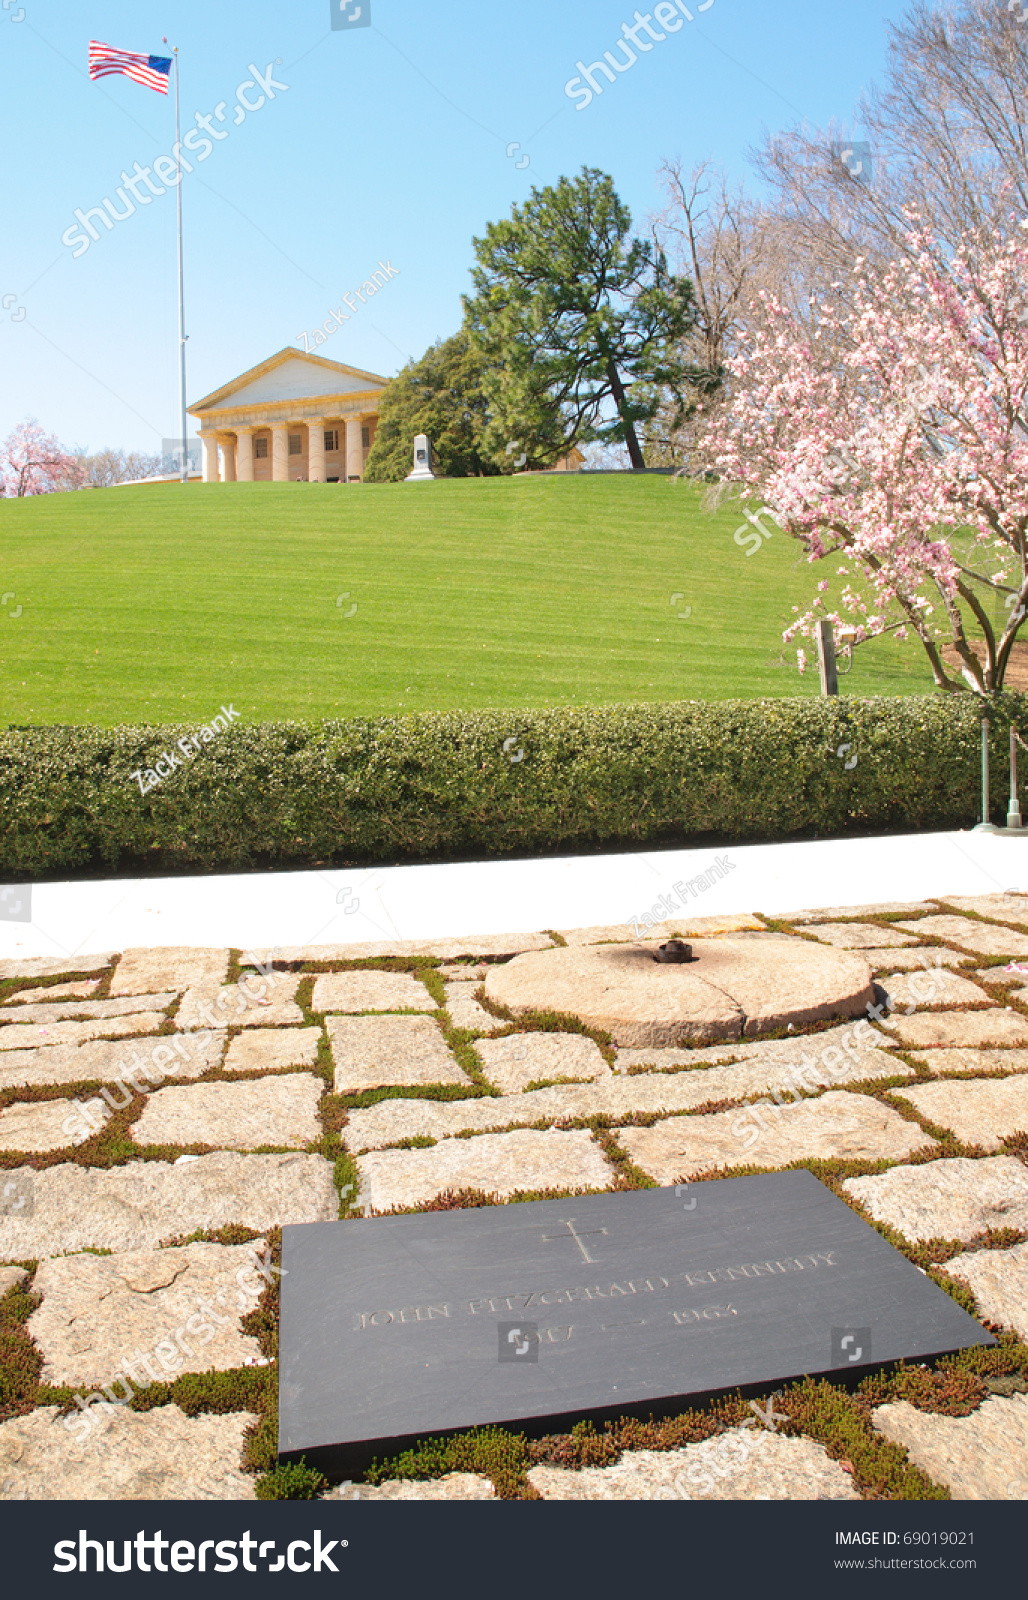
point(1013, 806)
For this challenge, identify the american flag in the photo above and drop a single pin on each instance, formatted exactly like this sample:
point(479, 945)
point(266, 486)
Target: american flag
point(151, 71)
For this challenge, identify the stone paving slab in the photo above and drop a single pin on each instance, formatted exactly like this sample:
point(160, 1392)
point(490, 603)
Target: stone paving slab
point(178, 967)
point(920, 958)
point(373, 1052)
point(858, 936)
point(1001, 907)
point(998, 1279)
point(884, 908)
point(10, 1277)
point(393, 1120)
point(982, 1113)
point(127, 1455)
point(838, 1126)
point(58, 991)
point(971, 1029)
point(1010, 980)
point(683, 926)
point(63, 1009)
point(370, 991)
point(937, 987)
point(141, 1204)
point(261, 1050)
point(463, 971)
point(36, 1035)
point(499, 946)
point(978, 1061)
point(983, 939)
point(465, 1011)
point(107, 1062)
point(518, 1059)
point(35, 1127)
point(235, 1116)
point(180, 1309)
point(957, 1198)
point(230, 1007)
point(55, 966)
point(741, 1464)
point(980, 1457)
point(498, 1164)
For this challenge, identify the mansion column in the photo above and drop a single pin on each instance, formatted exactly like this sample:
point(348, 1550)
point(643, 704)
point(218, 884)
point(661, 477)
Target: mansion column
point(354, 448)
point(316, 449)
point(211, 471)
point(280, 452)
point(244, 455)
point(228, 448)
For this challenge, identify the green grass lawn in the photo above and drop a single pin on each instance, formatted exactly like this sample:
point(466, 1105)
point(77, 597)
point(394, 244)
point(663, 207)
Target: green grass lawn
point(159, 604)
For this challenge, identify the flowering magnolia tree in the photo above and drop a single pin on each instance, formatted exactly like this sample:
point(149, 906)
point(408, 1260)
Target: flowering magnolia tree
point(892, 439)
point(34, 462)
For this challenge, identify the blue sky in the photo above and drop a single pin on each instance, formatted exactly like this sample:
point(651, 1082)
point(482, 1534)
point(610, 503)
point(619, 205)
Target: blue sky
point(389, 143)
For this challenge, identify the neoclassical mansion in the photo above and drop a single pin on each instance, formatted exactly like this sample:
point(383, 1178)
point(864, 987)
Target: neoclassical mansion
point(295, 418)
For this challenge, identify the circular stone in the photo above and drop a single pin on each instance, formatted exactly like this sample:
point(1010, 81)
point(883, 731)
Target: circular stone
point(742, 986)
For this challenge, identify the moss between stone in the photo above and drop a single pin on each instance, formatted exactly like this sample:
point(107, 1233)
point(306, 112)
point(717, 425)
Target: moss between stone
point(821, 1411)
point(781, 925)
point(295, 1481)
point(828, 1413)
point(347, 1180)
point(628, 1175)
point(1016, 1144)
point(466, 1199)
point(364, 1099)
point(488, 1452)
point(20, 1361)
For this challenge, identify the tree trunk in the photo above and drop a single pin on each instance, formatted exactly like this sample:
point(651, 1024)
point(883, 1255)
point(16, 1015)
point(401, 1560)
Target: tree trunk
point(631, 438)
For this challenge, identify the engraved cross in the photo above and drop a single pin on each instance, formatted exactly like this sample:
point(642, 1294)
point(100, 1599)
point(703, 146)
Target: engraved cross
point(569, 1223)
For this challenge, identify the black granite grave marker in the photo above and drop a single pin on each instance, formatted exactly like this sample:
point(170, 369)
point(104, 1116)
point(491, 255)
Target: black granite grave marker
point(535, 1316)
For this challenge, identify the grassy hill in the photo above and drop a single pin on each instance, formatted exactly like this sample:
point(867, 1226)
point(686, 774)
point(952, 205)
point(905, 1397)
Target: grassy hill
point(305, 600)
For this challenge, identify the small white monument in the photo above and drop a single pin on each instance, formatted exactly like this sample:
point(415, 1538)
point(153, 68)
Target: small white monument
point(422, 460)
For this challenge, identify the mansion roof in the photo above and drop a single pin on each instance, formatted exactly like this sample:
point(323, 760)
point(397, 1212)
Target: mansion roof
point(292, 376)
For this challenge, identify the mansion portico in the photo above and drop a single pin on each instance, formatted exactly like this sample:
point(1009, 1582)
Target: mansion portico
point(295, 418)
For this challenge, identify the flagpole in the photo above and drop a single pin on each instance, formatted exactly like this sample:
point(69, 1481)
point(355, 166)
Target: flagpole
point(182, 336)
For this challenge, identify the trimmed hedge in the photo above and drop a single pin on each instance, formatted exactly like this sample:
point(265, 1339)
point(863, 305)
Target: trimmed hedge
point(442, 786)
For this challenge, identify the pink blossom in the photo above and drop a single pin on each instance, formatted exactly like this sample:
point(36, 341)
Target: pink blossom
point(34, 462)
point(898, 440)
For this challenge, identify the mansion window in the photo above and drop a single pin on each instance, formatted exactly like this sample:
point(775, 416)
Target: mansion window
point(331, 439)
point(366, 438)
point(260, 449)
point(296, 444)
